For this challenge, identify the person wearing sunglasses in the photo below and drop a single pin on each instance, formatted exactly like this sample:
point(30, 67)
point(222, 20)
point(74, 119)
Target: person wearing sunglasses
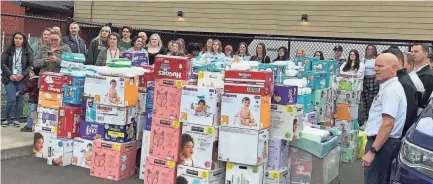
point(49, 57)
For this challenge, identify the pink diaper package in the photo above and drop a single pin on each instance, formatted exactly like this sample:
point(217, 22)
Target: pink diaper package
point(167, 94)
point(159, 171)
point(165, 139)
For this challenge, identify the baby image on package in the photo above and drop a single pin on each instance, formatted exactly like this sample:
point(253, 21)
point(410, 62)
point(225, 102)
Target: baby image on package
point(116, 91)
point(200, 105)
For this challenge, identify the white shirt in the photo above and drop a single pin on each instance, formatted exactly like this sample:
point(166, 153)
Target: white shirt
point(359, 72)
point(418, 83)
point(369, 66)
point(17, 67)
point(390, 100)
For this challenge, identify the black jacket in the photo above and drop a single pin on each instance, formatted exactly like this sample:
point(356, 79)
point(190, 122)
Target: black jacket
point(7, 62)
point(265, 59)
point(411, 98)
point(426, 77)
point(77, 46)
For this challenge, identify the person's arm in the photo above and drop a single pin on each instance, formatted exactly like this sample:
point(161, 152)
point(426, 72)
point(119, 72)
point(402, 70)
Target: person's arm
point(30, 59)
point(361, 71)
point(101, 57)
point(28, 87)
point(39, 62)
point(5, 69)
point(90, 54)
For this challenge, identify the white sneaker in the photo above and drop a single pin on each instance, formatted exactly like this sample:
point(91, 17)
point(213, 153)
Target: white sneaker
point(16, 124)
point(5, 123)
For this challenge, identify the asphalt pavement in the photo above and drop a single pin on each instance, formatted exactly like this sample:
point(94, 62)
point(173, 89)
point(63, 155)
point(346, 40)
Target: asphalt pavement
point(29, 170)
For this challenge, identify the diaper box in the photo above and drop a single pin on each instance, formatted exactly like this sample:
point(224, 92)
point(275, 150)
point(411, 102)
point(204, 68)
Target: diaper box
point(50, 99)
point(146, 81)
point(59, 152)
point(51, 130)
point(82, 152)
point(278, 158)
point(346, 112)
point(141, 125)
point(311, 117)
point(344, 125)
point(349, 83)
point(141, 105)
point(114, 91)
point(165, 139)
point(278, 177)
point(322, 96)
point(120, 133)
point(190, 175)
point(332, 66)
point(305, 63)
point(149, 99)
point(348, 154)
point(47, 118)
point(285, 95)
point(115, 115)
point(240, 173)
point(137, 58)
point(319, 66)
point(349, 139)
point(113, 161)
point(307, 101)
point(73, 95)
point(248, 82)
point(91, 130)
point(286, 121)
point(51, 82)
point(167, 96)
point(210, 79)
point(69, 122)
point(73, 80)
point(159, 171)
point(172, 67)
point(199, 146)
point(255, 141)
point(277, 70)
point(90, 109)
point(348, 97)
point(145, 144)
point(40, 144)
point(325, 112)
point(245, 111)
point(148, 119)
point(200, 105)
point(316, 80)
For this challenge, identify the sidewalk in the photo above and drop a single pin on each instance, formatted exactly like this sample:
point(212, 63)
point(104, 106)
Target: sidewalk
point(15, 143)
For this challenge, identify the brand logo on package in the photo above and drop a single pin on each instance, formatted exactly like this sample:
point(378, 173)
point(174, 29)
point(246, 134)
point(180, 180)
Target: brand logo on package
point(91, 129)
point(106, 145)
point(189, 89)
point(158, 161)
point(52, 88)
point(197, 129)
point(49, 116)
point(165, 67)
point(192, 172)
point(168, 82)
point(105, 108)
point(165, 122)
point(244, 75)
point(229, 95)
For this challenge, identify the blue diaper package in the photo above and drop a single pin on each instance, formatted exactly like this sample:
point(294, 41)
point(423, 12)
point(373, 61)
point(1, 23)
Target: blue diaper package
point(90, 110)
point(73, 94)
point(308, 102)
point(149, 99)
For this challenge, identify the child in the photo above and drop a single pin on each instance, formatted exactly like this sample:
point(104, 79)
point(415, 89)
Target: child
point(38, 144)
point(245, 113)
point(112, 93)
point(33, 90)
point(201, 108)
point(187, 150)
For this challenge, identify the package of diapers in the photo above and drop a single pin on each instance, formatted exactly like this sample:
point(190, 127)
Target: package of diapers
point(72, 65)
point(74, 57)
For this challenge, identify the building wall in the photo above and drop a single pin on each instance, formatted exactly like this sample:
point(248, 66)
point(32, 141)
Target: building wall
point(351, 19)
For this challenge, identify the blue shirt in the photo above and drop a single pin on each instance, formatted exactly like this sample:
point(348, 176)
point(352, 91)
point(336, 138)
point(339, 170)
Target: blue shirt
point(390, 100)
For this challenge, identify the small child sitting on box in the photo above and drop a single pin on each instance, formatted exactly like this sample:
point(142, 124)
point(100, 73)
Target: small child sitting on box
point(33, 89)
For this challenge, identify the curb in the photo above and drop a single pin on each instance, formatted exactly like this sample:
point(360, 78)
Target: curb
point(20, 150)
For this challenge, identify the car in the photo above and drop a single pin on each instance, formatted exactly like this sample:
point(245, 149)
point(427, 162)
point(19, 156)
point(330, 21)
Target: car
point(414, 164)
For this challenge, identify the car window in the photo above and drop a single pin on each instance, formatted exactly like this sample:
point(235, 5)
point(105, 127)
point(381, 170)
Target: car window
point(425, 126)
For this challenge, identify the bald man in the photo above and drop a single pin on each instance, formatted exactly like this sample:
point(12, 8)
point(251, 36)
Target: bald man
point(385, 123)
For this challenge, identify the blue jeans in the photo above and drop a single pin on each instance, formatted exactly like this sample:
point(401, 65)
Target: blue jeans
point(32, 108)
point(14, 103)
point(379, 171)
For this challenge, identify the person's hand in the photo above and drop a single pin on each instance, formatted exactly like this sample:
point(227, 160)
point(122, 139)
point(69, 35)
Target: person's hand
point(51, 59)
point(18, 93)
point(13, 78)
point(367, 159)
point(19, 77)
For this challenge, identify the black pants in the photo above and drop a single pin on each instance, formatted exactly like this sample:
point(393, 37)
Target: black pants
point(380, 169)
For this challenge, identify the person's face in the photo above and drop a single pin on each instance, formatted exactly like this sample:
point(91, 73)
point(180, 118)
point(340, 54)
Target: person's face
point(317, 54)
point(299, 53)
point(431, 64)
point(18, 40)
point(337, 54)
point(105, 33)
point(126, 33)
point(170, 46)
point(54, 40)
point(189, 149)
point(138, 43)
point(154, 41)
point(201, 104)
point(384, 71)
point(113, 84)
point(409, 67)
point(352, 56)
point(39, 144)
point(259, 49)
point(74, 28)
point(242, 49)
point(46, 36)
point(215, 46)
point(246, 103)
point(369, 51)
point(228, 51)
point(113, 40)
point(209, 43)
point(418, 54)
point(143, 36)
point(175, 47)
point(281, 52)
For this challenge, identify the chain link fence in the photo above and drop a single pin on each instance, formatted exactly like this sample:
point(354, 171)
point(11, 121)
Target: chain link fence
point(33, 26)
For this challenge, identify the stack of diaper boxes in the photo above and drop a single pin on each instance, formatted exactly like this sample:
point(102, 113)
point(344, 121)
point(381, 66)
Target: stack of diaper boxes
point(200, 113)
point(245, 123)
point(111, 121)
point(160, 165)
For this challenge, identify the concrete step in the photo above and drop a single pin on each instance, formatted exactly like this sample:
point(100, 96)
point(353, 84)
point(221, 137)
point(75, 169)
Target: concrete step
point(15, 143)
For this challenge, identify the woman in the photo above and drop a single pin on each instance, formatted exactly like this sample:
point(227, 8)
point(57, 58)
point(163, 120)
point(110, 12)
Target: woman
point(97, 44)
point(16, 63)
point(370, 85)
point(243, 51)
point(154, 48)
point(300, 52)
point(228, 51)
point(175, 49)
point(208, 47)
point(217, 51)
point(283, 54)
point(170, 47)
point(137, 45)
point(49, 57)
point(44, 40)
point(181, 45)
point(261, 54)
point(353, 65)
point(112, 51)
point(319, 54)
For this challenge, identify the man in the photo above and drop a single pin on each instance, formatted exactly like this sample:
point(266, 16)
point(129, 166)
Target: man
point(338, 51)
point(430, 59)
point(74, 41)
point(409, 65)
point(425, 73)
point(143, 36)
point(385, 122)
point(125, 42)
point(408, 87)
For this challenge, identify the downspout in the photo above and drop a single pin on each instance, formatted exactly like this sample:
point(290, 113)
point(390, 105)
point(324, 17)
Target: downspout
point(91, 11)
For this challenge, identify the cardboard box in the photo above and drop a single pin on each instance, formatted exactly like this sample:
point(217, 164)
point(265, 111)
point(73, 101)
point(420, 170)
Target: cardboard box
point(91, 130)
point(145, 145)
point(316, 80)
point(137, 58)
point(349, 139)
point(73, 95)
point(325, 112)
point(248, 82)
point(146, 81)
point(187, 175)
point(59, 152)
point(346, 112)
point(159, 171)
point(285, 95)
point(199, 146)
point(277, 70)
point(47, 118)
point(311, 117)
point(210, 79)
point(348, 154)
point(141, 105)
point(116, 115)
point(305, 62)
point(114, 91)
point(240, 173)
point(52, 130)
point(69, 122)
point(113, 161)
point(319, 66)
point(245, 111)
point(278, 154)
point(286, 121)
point(349, 82)
point(141, 125)
point(278, 177)
point(40, 144)
point(322, 96)
point(120, 133)
point(200, 105)
point(167, 97)
point(90, 109)
point(149, 99)
point(348, 97)
point(308, 101)
point(172, 67)
point(344, 126)
point(50, 99)
point(82, 152)
point(255, 141)
point(165, 139)
point(51, 82)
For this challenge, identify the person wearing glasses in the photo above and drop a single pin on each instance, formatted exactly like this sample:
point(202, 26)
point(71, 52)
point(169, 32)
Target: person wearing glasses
point(49, 57)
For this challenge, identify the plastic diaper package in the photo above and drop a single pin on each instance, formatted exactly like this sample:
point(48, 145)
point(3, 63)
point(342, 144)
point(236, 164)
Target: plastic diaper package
point(119, 63)
point(121, 72)
point(74, 57)
point(72, 65)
